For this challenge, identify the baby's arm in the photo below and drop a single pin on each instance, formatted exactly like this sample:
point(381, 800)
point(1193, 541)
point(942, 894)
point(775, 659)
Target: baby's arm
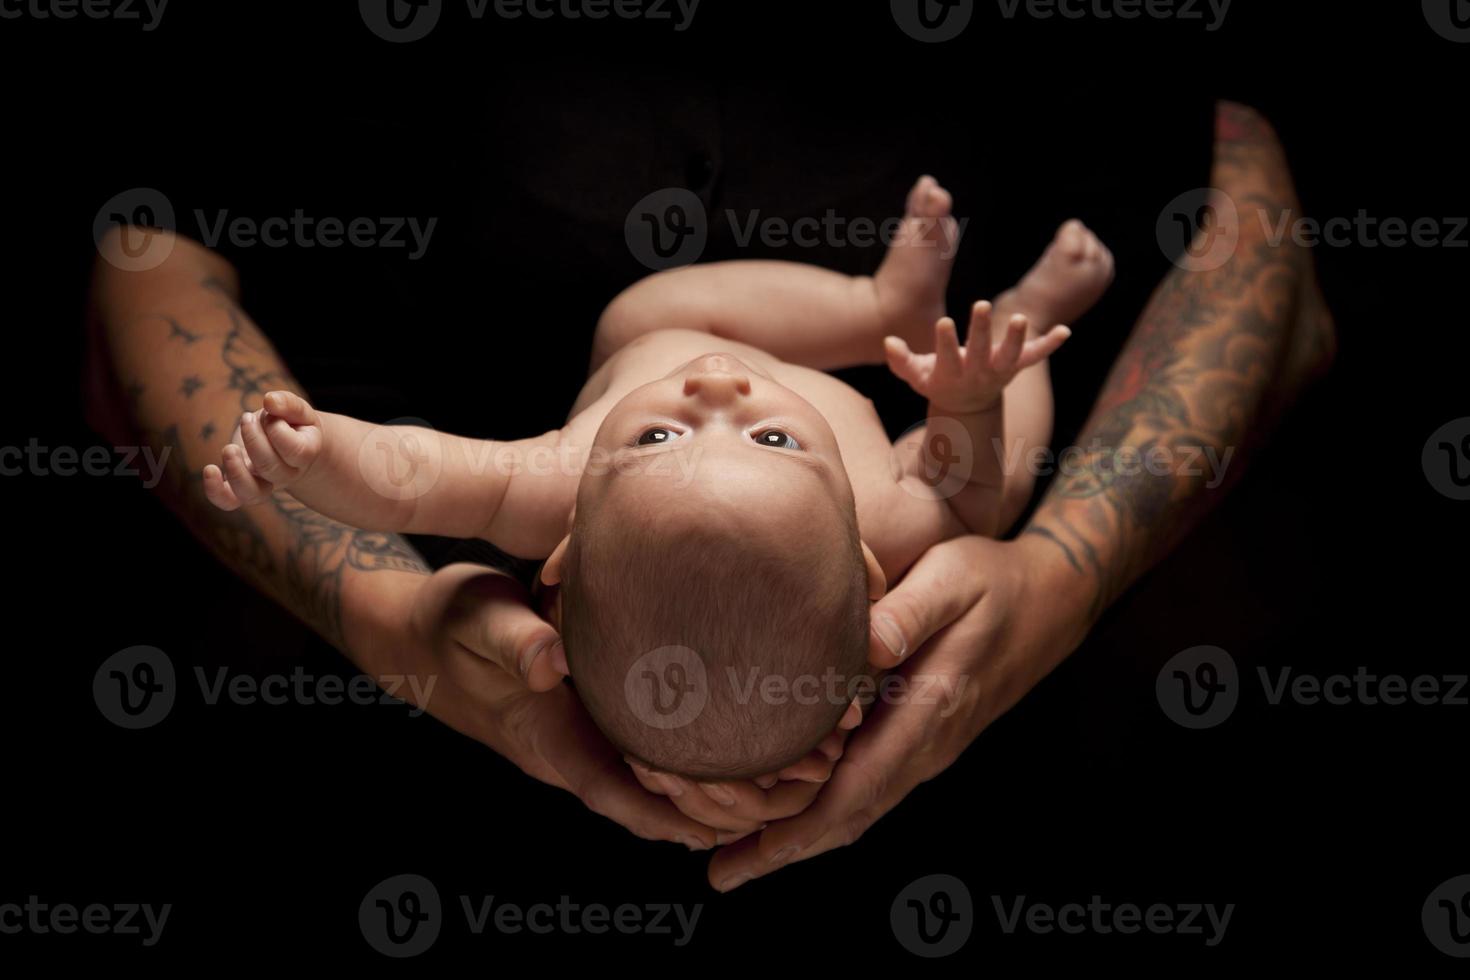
point(801, 313)
point(959, 453)
point(407, 479)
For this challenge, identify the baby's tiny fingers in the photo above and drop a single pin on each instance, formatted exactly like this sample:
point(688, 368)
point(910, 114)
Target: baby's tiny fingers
point(296, 447)
point(1043, 347)
point(264, 459)
point(217, 491)
point(901, 360)
point(291, 407)
point(947, 356)
point(247, 488)
point(1005, 354)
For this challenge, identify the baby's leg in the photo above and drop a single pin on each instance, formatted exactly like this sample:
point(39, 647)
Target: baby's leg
point(1065, 282)
point(801, 313)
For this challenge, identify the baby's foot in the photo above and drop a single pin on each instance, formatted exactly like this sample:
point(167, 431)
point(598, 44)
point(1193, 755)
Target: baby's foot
point(272, 449)
point(915, 273)
point(1070, 276)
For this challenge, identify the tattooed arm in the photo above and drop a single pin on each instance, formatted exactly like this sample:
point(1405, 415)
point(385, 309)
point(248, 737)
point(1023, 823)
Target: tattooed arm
point(187, 362)
point(1194, 386)
point(174, 357)
point(1215, 357)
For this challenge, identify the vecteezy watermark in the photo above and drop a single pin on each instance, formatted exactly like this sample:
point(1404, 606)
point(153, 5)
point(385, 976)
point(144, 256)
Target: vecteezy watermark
point(403, 459)
point(1200, 687)
point(670, 686)
point(1450, 19)
point(933, 21)
point(146, 13)
point(1446, 459)
point(934, 459)
point(1446, 917)
point(1200, 229)
point(38, 918)
point(126, 230)
point(932, 916)
point(136, 688)
point(400, 21)
point(1101, 918)
point(34, 459)
point(671, 227)
point(402, 916)
point(1363, 687)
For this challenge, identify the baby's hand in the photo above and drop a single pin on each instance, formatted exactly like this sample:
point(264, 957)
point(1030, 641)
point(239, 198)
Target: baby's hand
point(966, 379)
point(270, 450)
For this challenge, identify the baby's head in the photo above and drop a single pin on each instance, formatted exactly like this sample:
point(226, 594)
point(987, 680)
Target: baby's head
point(714, 601)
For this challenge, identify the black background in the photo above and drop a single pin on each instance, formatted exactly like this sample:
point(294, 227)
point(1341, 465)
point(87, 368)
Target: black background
point(1326, 826)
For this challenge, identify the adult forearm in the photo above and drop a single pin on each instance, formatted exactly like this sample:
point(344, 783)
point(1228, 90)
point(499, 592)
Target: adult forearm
point(179, 361)
point(1215, 355)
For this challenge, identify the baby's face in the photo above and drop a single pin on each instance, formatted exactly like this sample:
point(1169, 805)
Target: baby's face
point(717, 431)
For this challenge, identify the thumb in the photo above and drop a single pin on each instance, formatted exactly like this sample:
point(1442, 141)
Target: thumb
point(940, 588)
point(490, 615)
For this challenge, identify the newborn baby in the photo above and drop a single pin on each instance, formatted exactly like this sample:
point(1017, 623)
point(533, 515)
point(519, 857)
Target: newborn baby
point(718, 511)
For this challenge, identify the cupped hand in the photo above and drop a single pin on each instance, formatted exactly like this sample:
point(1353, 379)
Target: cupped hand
point(491, 669)
point(972, 627)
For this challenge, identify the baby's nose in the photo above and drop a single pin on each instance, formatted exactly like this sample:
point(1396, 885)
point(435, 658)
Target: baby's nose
point(717, 386)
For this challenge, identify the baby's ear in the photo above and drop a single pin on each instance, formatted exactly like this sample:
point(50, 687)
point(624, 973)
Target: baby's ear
point(551, 570)
point(877, 582)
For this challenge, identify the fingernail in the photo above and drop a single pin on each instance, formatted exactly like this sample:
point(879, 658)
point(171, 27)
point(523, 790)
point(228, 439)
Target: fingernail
point(693, 843)
point(734, 881)
point(784, 854)
point(528, 659)
point(766, 782)
point(718, 793)
point(671, 784)
point(887, 631)
point(559, 658)
point(726, 836)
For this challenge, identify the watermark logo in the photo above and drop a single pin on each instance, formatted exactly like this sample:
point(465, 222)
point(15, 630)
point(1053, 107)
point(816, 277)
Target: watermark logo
point(933, 460)
point(1199, 687)
point(40, 918)
point(148, 13)
point(1446, 459)
point(34, 459)
point(135, 688)
point(667, 228)
point(1450, 19)
point(1102, 918)
point(137, 215)
point(667, 688)
point(401, 916)
point(933, 916)
point(401, 460)
point(1446, 917)
point(1199, 229)
point(932, 21)
point(400, 21)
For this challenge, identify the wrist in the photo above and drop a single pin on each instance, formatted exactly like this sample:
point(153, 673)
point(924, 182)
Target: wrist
point(1065, 590)
point(377, 616)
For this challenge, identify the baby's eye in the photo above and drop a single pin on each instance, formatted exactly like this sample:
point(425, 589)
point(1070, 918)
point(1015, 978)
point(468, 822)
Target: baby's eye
point(656, 436)
point(776, 438)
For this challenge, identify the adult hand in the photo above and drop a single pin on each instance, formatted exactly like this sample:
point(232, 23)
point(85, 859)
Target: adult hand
point(491, 669)
point(972, 627)
point(738, 807)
